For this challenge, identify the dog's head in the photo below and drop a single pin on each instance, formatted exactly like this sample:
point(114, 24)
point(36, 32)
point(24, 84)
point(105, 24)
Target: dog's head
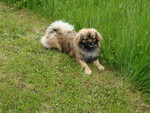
point(88, 39)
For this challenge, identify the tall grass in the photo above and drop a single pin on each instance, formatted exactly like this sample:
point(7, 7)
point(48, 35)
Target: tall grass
point(124, 24)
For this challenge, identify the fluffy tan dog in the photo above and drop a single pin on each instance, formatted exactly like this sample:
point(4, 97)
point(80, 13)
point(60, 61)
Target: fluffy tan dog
point(83, 45)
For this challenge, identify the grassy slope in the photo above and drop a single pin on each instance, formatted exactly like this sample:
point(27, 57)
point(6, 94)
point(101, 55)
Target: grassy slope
point(34, 79)
point(124, 25)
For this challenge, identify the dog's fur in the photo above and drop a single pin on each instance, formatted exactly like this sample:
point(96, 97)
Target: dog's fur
point(83, 45)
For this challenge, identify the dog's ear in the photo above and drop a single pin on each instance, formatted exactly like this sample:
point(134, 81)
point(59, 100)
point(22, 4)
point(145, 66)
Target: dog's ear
point(77, 39)
point(99, 36)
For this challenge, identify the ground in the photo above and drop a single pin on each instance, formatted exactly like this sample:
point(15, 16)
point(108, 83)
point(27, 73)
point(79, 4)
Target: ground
point(35, 79)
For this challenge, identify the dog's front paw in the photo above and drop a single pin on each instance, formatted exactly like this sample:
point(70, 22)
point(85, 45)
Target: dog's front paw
point(87, 71)
point(101, 68)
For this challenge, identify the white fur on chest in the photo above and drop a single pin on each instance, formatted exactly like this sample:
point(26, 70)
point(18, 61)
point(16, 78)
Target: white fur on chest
point(90, 56)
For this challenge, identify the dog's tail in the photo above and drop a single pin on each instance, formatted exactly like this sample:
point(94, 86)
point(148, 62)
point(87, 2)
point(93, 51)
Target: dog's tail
point(57, 27)
point(60, 27)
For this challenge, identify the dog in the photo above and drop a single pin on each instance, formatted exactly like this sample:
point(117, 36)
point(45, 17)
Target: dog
point(83, 45)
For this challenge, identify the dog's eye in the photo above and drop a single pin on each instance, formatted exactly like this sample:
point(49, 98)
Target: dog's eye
point(94, 37)
point(84, 38)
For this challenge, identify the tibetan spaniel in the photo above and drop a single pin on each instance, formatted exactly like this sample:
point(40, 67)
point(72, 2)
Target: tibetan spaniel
point(83, 45)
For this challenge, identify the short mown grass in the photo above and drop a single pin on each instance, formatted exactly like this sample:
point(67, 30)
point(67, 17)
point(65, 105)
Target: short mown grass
point(35, 79)
point(124, 25)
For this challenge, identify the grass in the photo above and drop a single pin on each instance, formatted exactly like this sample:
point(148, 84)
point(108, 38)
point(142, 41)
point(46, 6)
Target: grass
point(34, 79)
point(124, 25)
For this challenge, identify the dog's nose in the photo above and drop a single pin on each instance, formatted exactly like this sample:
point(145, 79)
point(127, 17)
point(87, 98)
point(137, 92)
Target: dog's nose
point(90, 41)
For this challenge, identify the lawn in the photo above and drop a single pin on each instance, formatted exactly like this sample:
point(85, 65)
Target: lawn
point(124, 25)
point(35, 79)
